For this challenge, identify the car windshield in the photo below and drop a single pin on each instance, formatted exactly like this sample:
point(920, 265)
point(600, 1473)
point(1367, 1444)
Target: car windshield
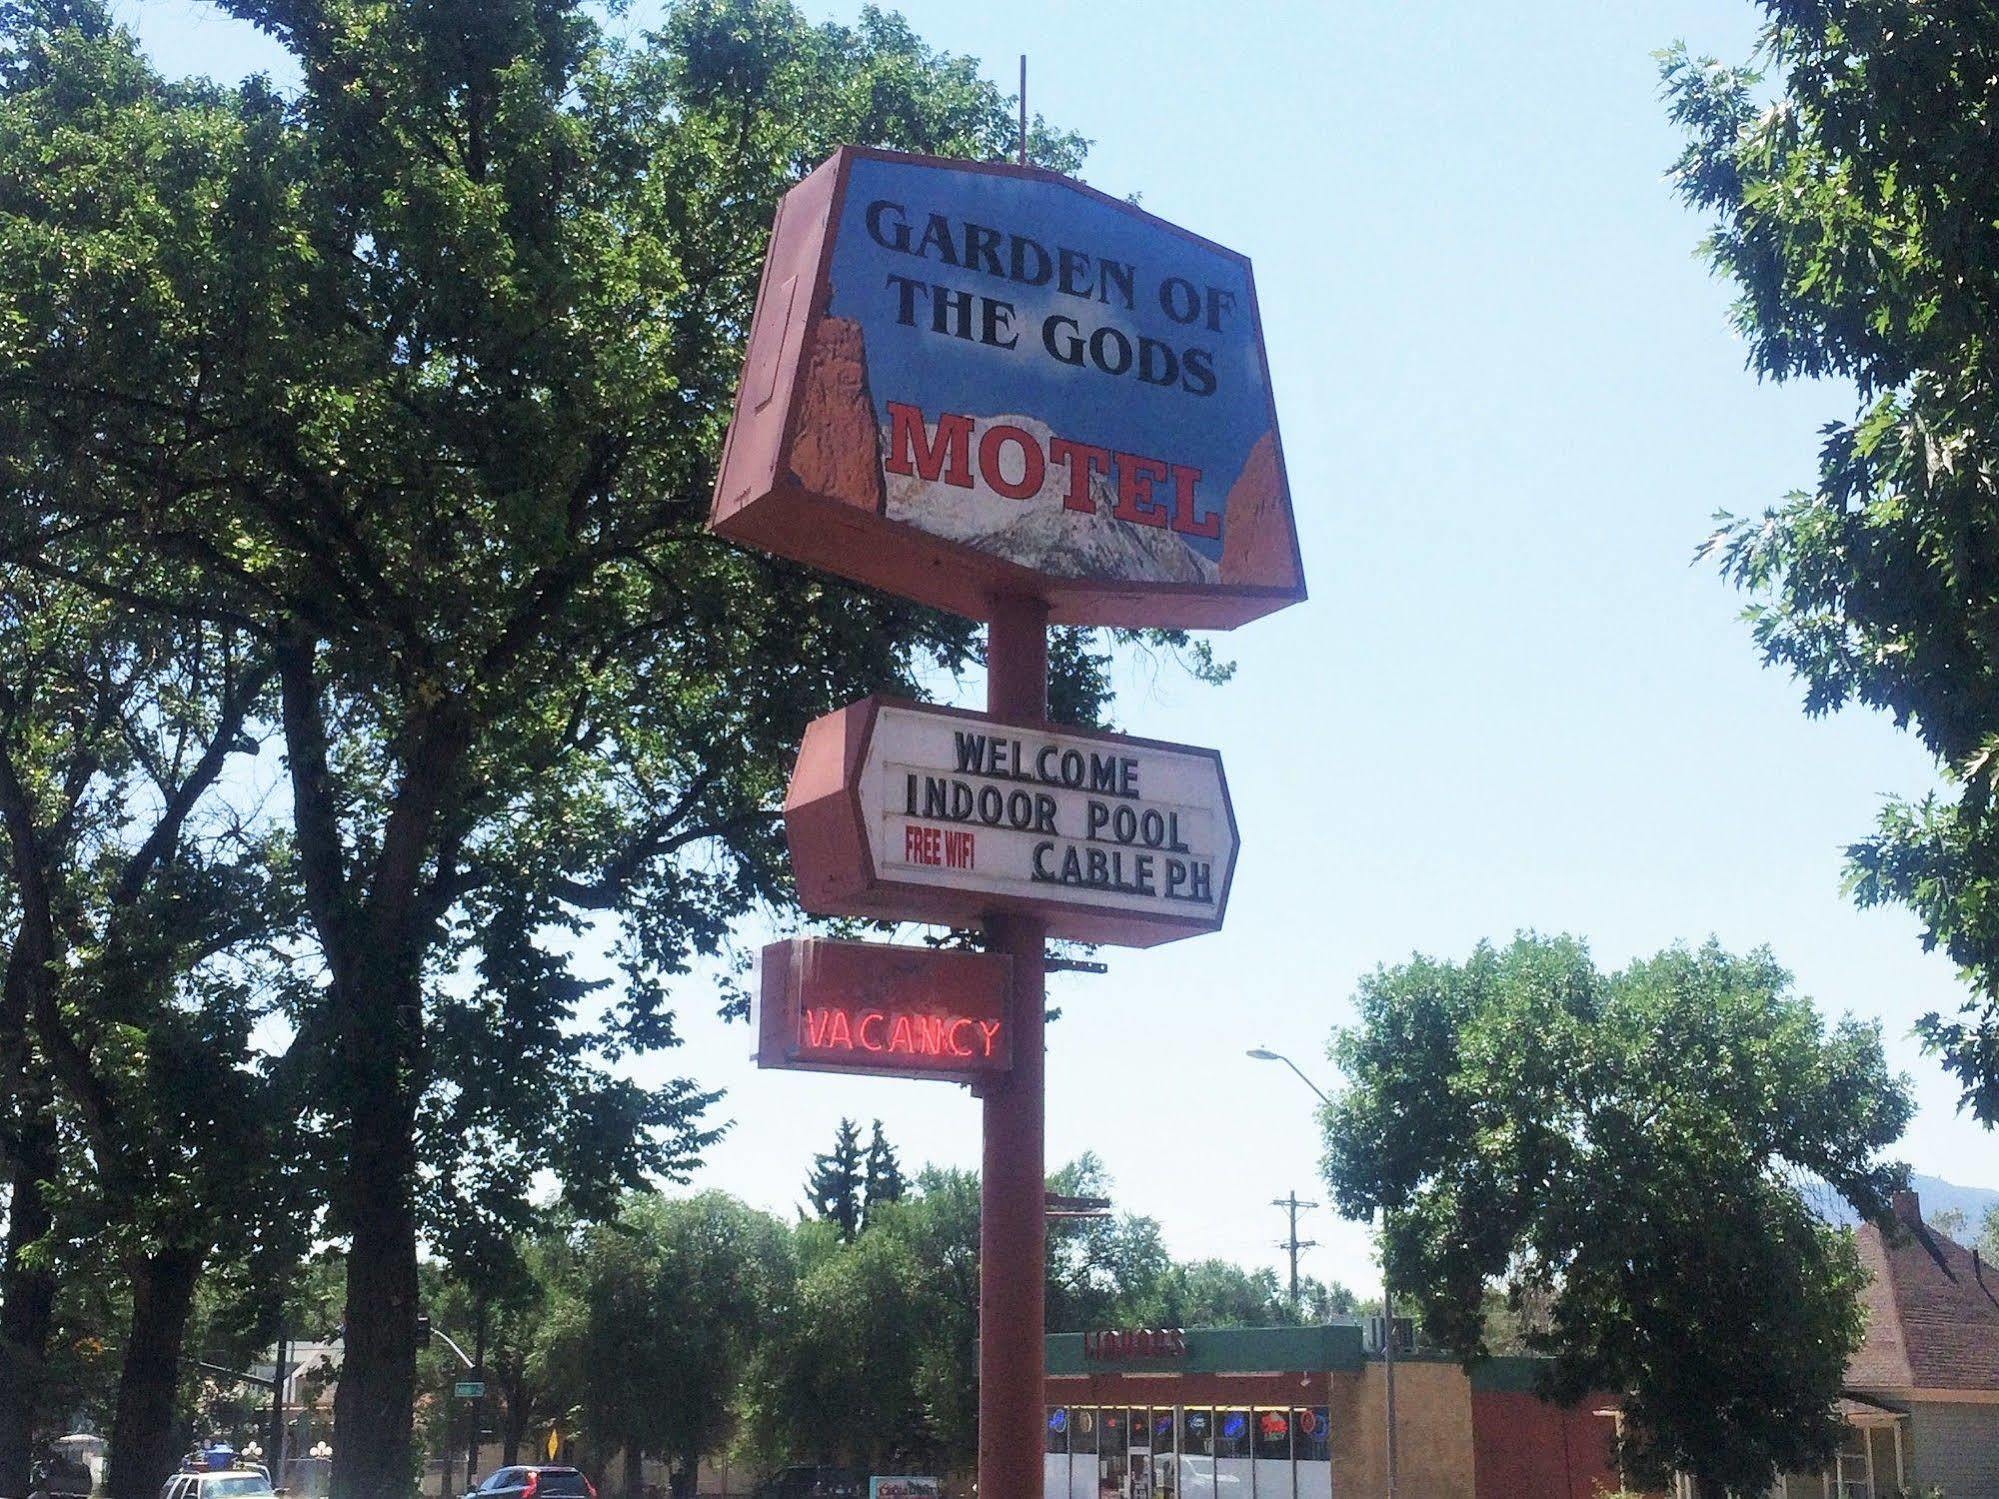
point(560, 1482)
point(234, 1487)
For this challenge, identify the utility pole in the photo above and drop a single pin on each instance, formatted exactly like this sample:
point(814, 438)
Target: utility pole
point(279, 1363)
point(477, 1405)
point(1293, 1243)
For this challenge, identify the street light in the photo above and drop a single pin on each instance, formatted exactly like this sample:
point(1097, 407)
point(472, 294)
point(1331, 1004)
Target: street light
point(1265, 1054)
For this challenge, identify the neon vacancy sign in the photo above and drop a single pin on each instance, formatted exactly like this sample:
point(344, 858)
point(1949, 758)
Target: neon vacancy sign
point(827, 1006)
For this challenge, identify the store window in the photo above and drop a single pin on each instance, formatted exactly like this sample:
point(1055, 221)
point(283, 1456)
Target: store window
point(1139, 1427)
point(1083, 1430)
point(1057, 1435)
point(1162, 1429)
point(1197, 1433)
point(1232, 1434)
point(1111, 1430)
point(1312, 1435)
point(1273, 1435)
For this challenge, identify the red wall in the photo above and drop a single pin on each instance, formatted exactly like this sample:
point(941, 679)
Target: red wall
point(1525, 1448)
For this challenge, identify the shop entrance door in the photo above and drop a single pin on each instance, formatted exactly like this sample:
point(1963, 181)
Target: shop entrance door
point(1139, 1483)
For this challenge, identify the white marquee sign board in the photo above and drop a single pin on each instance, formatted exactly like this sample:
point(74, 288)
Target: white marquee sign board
point(1103, 833)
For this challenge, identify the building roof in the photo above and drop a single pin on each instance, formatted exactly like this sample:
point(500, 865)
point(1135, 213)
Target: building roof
point(1932, 1310)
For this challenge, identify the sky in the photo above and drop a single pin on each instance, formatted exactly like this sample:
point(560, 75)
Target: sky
point(1511, 406)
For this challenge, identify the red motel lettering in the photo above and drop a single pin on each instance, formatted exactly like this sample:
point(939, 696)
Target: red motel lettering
point(945, 455)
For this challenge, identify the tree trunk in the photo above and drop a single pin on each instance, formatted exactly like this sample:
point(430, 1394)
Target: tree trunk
point(375, 1402)
point(635, 1473)
point(516, 1429)
point(27, 1303)
point(142, 1432)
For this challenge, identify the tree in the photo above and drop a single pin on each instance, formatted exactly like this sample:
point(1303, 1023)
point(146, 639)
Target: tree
point(677, 1297)
point(1857, 216)
point(881, 1181)
point(416, 378)
point(833, 1190)
point(1630, 1148)
point(137, 966)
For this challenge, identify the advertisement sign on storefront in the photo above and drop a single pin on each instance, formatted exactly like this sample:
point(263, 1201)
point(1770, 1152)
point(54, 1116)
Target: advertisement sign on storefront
point(905, 1488)
point(923, 813)
point(826, 1006)
point(967, 379)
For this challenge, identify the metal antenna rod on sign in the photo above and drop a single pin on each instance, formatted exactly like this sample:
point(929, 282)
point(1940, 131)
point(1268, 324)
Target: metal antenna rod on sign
point(1023, 109)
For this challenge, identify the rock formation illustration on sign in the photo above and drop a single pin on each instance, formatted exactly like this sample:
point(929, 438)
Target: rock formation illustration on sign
point(836, 446)
point(1041, 532)
point(1257, 545)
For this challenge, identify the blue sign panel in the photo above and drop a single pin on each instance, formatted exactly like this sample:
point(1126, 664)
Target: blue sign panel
point(1056, 380)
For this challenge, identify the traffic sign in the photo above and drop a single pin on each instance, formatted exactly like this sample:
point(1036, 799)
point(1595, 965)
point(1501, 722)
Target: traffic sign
point(470, 1389)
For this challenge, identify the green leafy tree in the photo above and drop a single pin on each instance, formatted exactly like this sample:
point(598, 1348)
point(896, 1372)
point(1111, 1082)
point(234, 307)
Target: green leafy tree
point(676, 1297)
point(1630, 1148)
point(137, 966)
point(881, 1177)
point(415, 377)
point(1856, 214)
point(834, 1190)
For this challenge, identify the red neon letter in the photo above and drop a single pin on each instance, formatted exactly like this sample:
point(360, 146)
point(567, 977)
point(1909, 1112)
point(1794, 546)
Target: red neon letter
point(1083, 459)
point(930, 1035)
point(912, 450)
point(818, 1027)
point(898, 1039)
point(987, 1030)
point(873, 1017)
point(1184, 480)
point(1032, 467)
point(1135, 502)
point(957, 1047)
point(840, 1036)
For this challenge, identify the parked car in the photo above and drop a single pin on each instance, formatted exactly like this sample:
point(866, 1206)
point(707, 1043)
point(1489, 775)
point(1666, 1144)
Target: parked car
point(541, 1481)
point(219, 1483)
point(814, 1481)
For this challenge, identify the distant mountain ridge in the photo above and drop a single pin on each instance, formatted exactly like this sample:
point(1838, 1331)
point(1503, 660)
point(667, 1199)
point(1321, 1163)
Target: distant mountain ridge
point(1936, 1195)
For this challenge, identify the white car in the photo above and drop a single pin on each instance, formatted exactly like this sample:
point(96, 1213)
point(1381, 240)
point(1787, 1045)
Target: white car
point(224, 1483)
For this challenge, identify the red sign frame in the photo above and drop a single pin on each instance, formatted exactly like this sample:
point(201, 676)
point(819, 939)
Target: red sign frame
point(787, 485)
point(867, 1007)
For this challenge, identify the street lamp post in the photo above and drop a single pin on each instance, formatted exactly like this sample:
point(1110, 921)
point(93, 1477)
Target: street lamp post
point(1264, 1054)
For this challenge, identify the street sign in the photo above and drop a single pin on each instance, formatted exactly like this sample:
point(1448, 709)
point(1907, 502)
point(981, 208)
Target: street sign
point(918, 813)
point(470, 1389)
point(826, 1006)
point(905, 1488)
point(973, 379)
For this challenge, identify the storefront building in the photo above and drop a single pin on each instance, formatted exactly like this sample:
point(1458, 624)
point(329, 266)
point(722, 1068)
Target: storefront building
point(1299, 1413)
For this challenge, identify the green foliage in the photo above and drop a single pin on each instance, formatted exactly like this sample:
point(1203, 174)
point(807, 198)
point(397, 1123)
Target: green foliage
point(671, 1301)
point(1627, 1151)
point(1857, 216)
point(834, 1189)
point(881, 1181)
point(414, 380)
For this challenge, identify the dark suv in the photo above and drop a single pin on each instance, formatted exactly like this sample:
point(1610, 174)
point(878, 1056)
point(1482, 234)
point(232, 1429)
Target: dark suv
point(813, 1482)
point(540, 1482)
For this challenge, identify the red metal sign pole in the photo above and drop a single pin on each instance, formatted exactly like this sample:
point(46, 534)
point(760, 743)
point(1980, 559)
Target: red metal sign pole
point(1012, 1222)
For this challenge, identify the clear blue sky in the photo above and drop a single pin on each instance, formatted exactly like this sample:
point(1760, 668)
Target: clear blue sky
point(1510, 404)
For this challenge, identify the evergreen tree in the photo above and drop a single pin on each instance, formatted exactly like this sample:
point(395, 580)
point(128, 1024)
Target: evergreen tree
point(835, 1186)
point(883, 1180)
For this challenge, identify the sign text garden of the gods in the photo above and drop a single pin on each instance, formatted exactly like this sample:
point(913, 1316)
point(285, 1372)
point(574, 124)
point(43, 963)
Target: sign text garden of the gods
point(919, 813)
point(967, 380)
